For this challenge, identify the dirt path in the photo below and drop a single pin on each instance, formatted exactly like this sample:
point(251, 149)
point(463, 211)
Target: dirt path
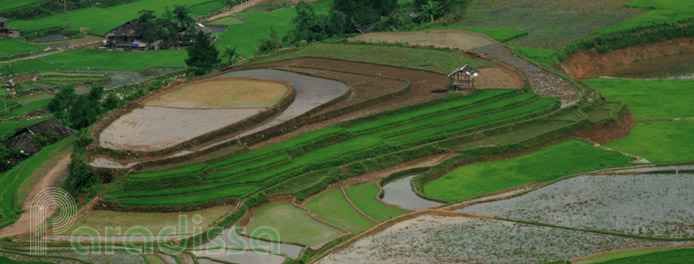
point(544, 83)
point(236, 9)
point(24, 223)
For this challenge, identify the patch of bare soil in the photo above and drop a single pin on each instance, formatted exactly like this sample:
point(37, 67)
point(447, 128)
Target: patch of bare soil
point(24, 223)
point(631, 60)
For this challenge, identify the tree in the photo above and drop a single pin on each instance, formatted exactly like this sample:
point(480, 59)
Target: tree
point(183, 16)
point(60, 104)
point(231, 55)
point(430, 10)
point(112, 102)
point(148, 24)
point(83, 112)
point(82, 140)
point(202, 55)
point(5, 160)
point(269, 45)
point(364, 12)
point(80, 178)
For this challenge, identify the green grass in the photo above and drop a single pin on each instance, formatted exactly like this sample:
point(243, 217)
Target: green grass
point(7, 129)
point(101, 20)
point(662, 11)
point(364, 197)
point(102, 60)
point(10, 47)
point(9, 4)
point(550, 24)
point(537, 108)
point(12, 179)
point(26, 100)
point(26, 109)
point(7, 260)
point(500, 35)
point(649, 99)
point(236, 191)
point(545, 165)
point(227, 21)
point(661, 142)
point(332, 207)
point(190, 169)
point(293, 224)
point(466, 101)
point(188, 199)
point(654, 256)
point(542, 56)
point(417, 58)
point(258, 27)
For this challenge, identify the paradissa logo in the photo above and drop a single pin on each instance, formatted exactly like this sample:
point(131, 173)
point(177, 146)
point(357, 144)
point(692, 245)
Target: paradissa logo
point(54, 210)
point(173, 240)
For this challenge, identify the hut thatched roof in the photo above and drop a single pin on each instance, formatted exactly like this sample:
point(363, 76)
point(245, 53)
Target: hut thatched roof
point(3, 20)
point(129, 29)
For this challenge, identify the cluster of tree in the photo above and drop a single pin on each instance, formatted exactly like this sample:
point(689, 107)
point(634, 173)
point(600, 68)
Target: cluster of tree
point(80, 111)
point(167, 26)
point(346, 16)
point(203, 56)
point(81, 180)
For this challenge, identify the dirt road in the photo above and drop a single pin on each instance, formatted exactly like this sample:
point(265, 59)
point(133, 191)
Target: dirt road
point(24, 223)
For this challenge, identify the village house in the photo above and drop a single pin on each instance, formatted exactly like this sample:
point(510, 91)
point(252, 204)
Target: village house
point(6, 32)
point(129, 36)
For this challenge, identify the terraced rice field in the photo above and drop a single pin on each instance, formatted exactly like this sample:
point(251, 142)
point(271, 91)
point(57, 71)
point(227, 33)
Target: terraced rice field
point(331, 206)
point(142, 129)
point(293, 224)
point(230, 238)
point(364, 198)
point(629, 204)
point(458, 239)
point(311, 92)
point(360, 143)
point(544, 165)
point(189, 111)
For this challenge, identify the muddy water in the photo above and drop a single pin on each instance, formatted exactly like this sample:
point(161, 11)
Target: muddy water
point(153, 128)
point(241, 257)
point(311, 92)
point(400, 193)
point(447, 239)
point(659, 205)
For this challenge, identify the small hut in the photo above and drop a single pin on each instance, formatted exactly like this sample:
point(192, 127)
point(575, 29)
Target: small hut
point(6, 32)
point(464, 78)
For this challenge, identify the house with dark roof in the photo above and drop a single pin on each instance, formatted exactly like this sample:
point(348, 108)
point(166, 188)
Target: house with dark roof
point(6, 32)
point(129, 36)
point(124, 36)
point(24, 140)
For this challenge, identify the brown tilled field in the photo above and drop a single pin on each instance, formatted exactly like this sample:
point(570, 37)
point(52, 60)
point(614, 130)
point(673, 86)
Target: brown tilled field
point(222, 93)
